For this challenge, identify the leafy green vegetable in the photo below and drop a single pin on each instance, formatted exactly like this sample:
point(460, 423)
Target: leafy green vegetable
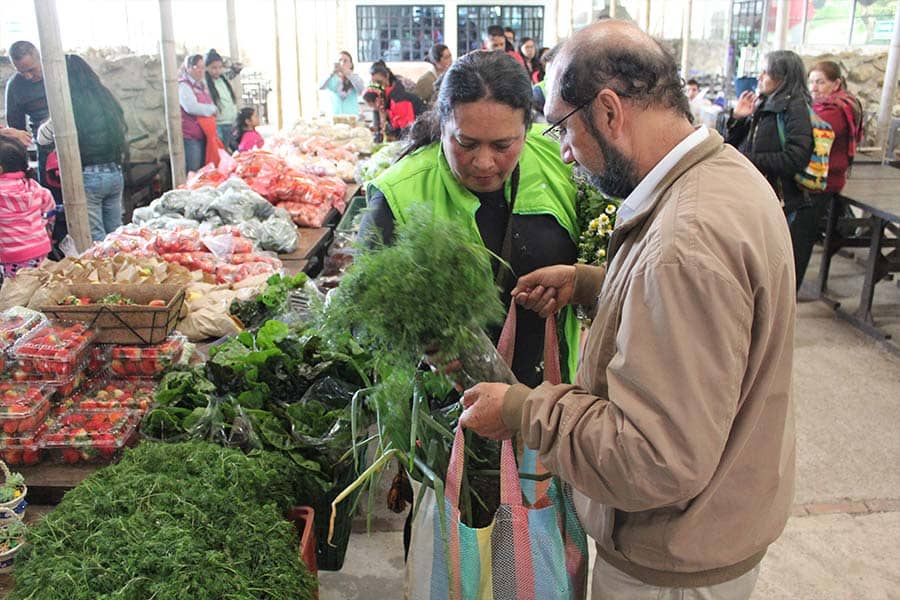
point(269, 303)
point(434, 285)
point(187, 520)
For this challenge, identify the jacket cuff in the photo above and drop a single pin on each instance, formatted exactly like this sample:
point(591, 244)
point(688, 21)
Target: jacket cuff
point(513, 402)
point(588, 282)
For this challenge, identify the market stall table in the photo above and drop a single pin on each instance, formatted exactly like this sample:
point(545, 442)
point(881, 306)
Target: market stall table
point(875, 189)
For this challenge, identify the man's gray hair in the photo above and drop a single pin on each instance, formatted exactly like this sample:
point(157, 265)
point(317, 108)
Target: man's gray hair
point(645, 74)
point(21, 49)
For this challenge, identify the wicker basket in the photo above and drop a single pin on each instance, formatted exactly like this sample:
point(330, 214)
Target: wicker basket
point(8, 519)
point(123, 324)
point(16, 505)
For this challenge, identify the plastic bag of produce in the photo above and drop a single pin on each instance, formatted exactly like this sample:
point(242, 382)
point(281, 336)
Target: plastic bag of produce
point(250, 229)
point(243, 435)
point(208, 424)
point(278, 235)
point(174, 201)
point(234, 206)
point(142, 215)
point(198, 206)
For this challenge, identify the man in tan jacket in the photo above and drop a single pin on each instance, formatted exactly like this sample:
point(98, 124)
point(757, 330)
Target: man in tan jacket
point(678, 437)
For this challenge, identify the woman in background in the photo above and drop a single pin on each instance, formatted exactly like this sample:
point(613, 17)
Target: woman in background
point(345, 86)
point(772, 128)
point(440, 58)
point(195, 101)
point(221, 93)
point(100, 123)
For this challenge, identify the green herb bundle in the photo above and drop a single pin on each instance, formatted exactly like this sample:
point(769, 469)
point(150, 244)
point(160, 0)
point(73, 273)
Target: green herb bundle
point(433, 286)
point(190, 520)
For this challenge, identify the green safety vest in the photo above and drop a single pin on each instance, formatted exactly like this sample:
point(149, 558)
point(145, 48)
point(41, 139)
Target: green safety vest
point(545, 188)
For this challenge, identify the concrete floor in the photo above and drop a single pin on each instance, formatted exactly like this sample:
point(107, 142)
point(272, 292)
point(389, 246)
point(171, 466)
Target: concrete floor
point(842, 543)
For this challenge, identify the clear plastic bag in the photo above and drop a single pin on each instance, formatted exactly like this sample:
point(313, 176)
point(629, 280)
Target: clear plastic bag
point(278, 235)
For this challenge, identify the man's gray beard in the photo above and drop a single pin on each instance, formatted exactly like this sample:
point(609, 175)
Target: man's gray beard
point(619, 176)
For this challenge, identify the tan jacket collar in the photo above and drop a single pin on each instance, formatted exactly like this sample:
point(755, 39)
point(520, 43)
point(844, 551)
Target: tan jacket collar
point(701, 152)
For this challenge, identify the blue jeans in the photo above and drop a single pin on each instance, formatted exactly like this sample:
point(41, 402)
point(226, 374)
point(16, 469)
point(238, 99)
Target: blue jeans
point(194, 154)
point(225, 134)
point(103, 185)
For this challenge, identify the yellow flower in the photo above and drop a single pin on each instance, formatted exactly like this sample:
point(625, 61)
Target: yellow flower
point(594, 224)
point(601, 253)
point(604, 219)
point(610, 209)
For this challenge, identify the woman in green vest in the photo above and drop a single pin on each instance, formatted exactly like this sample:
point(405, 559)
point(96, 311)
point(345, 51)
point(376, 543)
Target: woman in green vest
point(476, 158)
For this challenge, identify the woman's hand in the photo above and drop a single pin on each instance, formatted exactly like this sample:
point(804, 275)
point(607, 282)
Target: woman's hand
point(23, 137)
point(745, 105)
point(547, 290)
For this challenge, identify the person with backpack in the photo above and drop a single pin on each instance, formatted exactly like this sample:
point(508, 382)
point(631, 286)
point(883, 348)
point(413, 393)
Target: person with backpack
point(772, 128)
point(833, 103)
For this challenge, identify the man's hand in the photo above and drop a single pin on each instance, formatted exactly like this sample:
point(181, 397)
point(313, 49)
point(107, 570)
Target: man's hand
point(547, 290)
point(744, 106)
point(23, 137)
point(483, 411)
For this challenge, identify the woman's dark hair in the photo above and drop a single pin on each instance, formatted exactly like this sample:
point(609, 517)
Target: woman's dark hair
point(380, 68)
point(831, 70)
point(92, 101)
point(240, 126)
point(787, 68)
point(435, 53)
point(13, 155)
point(645, 74)
point(211, 57)
point(530, 63)
point(476, 76)
point(190, 60)
point(347, 83)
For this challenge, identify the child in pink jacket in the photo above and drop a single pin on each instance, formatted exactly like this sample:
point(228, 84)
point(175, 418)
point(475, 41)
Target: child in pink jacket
point(24, 206)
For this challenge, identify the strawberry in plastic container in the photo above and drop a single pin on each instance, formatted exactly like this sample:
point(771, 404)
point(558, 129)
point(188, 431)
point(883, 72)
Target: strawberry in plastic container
point(54, 349)
point(146, 361)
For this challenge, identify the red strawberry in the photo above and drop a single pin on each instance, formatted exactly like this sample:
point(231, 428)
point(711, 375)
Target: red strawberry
point(70, 455)
point(31, 456)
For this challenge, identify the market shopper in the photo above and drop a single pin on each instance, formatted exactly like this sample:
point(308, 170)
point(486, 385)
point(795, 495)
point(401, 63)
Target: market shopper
point(345, 86)
point(528, 51)
point(244, 135)
point(772, 128)
point(24, 204)
point(477, 159)
point(440, 58)
point(678, 436)
point(221, 93)
point(26, 98)
point(843, 111)
point(196, 104)
point(400, 106)
point(100, 123)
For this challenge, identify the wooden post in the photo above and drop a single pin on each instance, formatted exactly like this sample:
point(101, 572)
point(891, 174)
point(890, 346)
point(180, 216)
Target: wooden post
point(278, 91)
point(233, 50)
point(56, 84)
point(170, 92)
point(782, 15)
point(890, 86)
point(297, 56)
point(686, 36)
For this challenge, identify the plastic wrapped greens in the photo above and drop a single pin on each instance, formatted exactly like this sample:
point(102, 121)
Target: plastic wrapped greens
point(175, 201)
point(278, 235)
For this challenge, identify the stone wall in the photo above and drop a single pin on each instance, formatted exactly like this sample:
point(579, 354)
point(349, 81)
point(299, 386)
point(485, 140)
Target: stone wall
point(136, 81)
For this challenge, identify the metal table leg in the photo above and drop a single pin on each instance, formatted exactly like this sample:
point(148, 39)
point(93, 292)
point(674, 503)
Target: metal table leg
point(864, 312)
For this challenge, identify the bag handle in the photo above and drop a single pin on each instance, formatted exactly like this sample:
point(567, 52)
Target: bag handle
point(507, 342)
point(510, 486)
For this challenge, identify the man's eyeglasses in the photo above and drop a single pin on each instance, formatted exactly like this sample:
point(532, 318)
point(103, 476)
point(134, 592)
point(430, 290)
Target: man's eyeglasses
point(555, 132)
